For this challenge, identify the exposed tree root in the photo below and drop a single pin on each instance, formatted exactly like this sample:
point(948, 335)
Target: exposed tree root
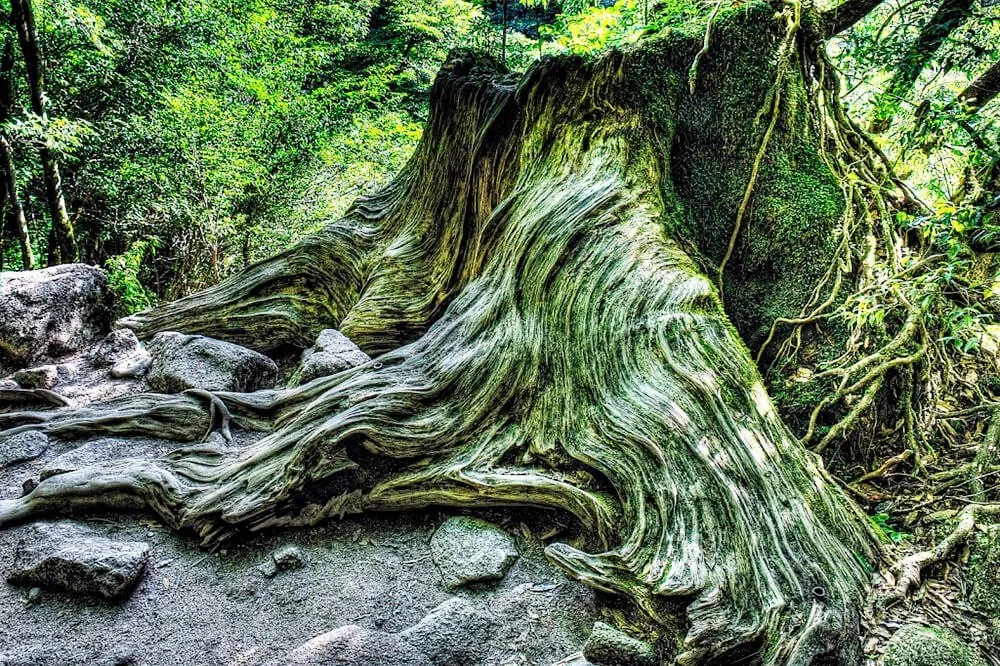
point(883, 469)
point(908, 571)
point(547, 342)
point(21, 397)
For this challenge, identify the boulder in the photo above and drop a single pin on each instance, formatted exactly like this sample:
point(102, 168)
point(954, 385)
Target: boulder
point(332, 353)
point(50, 313)
point(469, 550)
point(355, 646)
point(182, 362)
point(22, 447)
point(64, 556)
point(42, 377)
point(916, 645)
point(608, 646)
point(455, 633)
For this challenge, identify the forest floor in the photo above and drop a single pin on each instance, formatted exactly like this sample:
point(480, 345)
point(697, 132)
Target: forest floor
point(198, 607)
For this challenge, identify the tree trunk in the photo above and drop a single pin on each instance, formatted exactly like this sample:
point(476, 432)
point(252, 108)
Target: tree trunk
point(14, 215)
point(24, 20)
point(547, 339)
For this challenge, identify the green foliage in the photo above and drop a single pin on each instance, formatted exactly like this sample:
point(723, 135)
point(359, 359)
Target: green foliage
point(881, 522)
point(123, 277)
point(221, 130)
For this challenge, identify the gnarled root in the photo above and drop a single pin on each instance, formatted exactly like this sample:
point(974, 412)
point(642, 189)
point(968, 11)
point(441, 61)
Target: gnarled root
point(908, 571)
point(619, 395)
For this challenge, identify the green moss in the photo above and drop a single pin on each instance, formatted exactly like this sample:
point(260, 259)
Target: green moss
point(983, 576)
point(787, 237)
point(915, 645)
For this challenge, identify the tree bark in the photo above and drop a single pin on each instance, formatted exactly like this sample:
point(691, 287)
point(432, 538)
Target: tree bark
point(949, 17)
point(545, 340)
point(24, 20)
point(846, 14)
point(981, 92)
point(14, 215)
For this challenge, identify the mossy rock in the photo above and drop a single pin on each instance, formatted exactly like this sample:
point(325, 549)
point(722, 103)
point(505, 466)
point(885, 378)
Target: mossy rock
point(916, 645)
point(983, 576)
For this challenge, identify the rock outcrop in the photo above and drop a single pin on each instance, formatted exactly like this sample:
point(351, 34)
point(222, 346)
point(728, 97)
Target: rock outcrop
point(50, 313)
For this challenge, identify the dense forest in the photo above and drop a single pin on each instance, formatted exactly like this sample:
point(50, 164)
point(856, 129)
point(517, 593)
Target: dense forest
point(717, 281)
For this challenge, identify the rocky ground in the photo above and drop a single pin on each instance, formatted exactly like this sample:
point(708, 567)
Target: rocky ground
point(421, 589)
point(432, 588)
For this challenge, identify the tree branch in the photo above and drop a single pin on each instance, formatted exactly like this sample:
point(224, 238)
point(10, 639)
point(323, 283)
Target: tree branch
point(981, 91)
point(846, 14)
point(949, 17)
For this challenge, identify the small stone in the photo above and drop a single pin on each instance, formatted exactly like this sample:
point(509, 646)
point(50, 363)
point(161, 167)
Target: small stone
point(268, 568)
point(333, 352)
point(22, 447)
point(608, 646)
point(288, 558)
point(65, 557)
point(355, 646)
point(916, 645)
point(29, 485)
point(182, 362)
point(453, 634)
point(118, 344)
point(132, 367)
point(469, 550)
point(42, 377)
point(34, 595)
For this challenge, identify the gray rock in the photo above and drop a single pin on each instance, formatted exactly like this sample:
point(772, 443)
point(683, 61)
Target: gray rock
point(608, 646)
point(183, 362)
point(469, 550)
point(118, 344)
point(915, 645)
point(132, 367)
point(354, 646)
point(122, 352)
point(22, 447)
point(51, 313)
point(288, 558)
point(456, 633)
point(34, 595)
point(333, 352)
point(43, 377)
point(63, 556)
